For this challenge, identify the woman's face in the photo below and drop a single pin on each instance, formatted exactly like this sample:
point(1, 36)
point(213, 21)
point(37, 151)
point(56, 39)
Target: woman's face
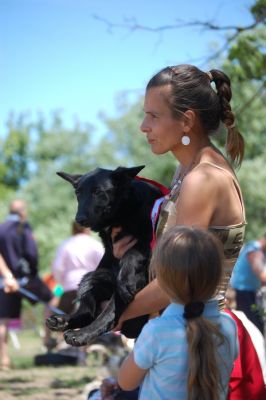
point(163, 132)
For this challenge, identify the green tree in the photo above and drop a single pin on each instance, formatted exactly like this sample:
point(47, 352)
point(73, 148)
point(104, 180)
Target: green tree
point(52, 203)
point(14, 168)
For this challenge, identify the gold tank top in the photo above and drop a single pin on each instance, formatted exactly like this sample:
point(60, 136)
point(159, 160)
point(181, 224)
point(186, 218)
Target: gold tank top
point(232, 237)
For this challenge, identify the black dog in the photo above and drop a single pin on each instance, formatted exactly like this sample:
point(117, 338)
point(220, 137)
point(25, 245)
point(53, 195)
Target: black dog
point(108, 199)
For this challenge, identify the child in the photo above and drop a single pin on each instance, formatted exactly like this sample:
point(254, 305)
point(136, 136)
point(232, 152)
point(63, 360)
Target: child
point(188, 352)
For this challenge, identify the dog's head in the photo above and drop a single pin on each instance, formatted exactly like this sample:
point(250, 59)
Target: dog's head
point(100, 194)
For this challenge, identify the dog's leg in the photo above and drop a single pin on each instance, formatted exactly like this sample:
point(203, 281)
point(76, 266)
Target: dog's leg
point(132, 276)
point(82, 317)
point(103, 323)
point(95, 287)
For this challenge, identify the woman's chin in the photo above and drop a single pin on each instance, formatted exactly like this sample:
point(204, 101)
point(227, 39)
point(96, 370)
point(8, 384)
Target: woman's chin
point(158, 151)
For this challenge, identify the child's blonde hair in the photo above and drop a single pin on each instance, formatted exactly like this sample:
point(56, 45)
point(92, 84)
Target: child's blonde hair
point(188, 263)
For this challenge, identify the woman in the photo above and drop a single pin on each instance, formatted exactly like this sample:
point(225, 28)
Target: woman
point(182, 110)
point(183, 107)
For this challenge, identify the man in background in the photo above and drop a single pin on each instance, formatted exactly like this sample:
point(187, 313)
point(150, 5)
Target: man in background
point(19, 252)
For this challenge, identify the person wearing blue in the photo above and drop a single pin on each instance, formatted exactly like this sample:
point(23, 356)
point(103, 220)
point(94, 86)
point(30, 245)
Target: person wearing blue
point(188, 352)
point(248, 275)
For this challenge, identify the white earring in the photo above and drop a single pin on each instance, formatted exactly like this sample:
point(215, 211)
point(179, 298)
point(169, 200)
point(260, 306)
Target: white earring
point(185, 140)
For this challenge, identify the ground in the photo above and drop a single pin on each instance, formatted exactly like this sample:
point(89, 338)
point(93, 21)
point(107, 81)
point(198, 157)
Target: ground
point(25, 381)
point(43, 383)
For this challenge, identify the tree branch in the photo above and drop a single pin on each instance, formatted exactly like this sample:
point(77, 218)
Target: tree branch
point(133, 25)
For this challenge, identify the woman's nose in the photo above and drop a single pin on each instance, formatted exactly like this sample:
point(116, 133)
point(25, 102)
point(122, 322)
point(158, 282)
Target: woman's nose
point(144, 127)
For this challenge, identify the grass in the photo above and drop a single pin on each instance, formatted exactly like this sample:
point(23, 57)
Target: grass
point(31, 382)
point(30, 345)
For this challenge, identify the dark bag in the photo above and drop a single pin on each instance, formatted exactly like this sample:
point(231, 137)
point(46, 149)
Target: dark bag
point(27, 264)
point(36, 286)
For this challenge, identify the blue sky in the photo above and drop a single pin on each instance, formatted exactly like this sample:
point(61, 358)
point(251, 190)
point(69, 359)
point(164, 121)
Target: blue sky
point(55, 55)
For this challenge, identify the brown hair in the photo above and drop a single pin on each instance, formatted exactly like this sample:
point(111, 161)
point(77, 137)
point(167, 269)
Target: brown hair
point(188, 264)
point(191, 90)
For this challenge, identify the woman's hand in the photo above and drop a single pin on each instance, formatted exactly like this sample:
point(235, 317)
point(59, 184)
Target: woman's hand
point(118, 326)
point(121, 246)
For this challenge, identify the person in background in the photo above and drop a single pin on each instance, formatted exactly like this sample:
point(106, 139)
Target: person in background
point(248, 276)
point(75, 256)
point(188, 352)
point(19, 252)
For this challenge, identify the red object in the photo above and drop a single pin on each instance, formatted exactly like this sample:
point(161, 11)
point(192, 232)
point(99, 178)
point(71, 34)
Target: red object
point(162, 188)
point(49, 280)
point(246, 381)
point(156, 207)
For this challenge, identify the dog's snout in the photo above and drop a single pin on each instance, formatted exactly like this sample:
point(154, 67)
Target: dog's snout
point(81, 220)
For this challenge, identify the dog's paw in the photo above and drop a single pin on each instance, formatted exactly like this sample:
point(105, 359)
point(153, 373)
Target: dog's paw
point(77, 338)
point(125, 293)
point(57, 322)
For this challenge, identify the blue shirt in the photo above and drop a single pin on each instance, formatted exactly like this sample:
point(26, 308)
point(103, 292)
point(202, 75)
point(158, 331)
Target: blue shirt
point(243, 277)
point(162, 349)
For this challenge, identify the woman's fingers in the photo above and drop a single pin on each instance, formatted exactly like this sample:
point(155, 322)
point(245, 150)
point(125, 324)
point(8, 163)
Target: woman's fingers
point(115, 231)
point(123, 245)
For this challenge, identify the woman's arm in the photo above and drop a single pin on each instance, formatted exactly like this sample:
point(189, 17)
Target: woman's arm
point(130, 375)
point(149, 300)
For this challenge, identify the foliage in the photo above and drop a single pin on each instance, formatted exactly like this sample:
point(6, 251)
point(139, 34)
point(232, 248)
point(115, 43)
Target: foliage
point(252, 176)
point(34, 149)
point(14, 167)
point(127, 144)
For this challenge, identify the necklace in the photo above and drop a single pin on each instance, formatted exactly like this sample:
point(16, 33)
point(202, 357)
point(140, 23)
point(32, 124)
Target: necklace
point(177, 182)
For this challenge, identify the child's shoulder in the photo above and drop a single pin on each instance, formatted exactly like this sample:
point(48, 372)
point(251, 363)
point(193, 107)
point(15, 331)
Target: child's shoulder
point(228, 321)
point(163, 322)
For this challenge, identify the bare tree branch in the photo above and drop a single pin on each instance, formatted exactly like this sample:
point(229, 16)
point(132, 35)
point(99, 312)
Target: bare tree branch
point(133, 25)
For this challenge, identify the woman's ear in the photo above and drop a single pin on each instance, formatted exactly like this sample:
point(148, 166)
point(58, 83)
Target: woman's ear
point(189, 120)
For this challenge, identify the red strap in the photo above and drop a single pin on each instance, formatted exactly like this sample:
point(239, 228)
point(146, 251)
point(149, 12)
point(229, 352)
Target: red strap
point(162, 188)
point(155, 216)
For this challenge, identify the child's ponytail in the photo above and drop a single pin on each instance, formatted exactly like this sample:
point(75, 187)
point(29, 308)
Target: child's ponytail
point(204, 380)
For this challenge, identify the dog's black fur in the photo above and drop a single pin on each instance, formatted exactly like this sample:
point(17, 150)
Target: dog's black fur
point(108, 199)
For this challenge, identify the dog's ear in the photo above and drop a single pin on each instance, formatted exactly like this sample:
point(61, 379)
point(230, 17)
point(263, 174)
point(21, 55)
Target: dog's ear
point(73, 179)
point(124, 172)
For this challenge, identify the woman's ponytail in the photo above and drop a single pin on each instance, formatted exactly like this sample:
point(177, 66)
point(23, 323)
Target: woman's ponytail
point(234, 141)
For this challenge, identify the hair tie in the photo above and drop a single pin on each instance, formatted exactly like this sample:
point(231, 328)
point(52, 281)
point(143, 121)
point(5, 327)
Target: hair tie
point(233, 125)
point(193, 310)
point(210, 76)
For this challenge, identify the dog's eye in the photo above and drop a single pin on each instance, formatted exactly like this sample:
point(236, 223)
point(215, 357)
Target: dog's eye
point(96, 191)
